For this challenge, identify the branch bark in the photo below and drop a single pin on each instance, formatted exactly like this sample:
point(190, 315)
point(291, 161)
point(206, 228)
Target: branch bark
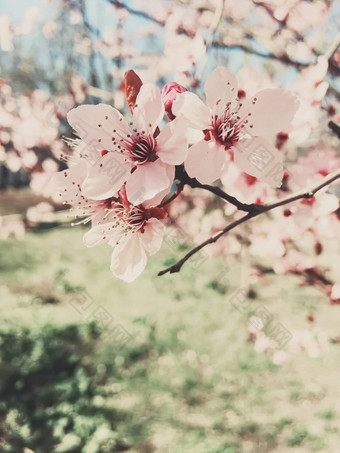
point(309, 193)
point(183, 176)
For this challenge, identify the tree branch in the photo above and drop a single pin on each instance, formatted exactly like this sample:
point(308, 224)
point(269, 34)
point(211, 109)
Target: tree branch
point(334, 128)
point(268, 55)
point(136, 12)
point(309, 193)
point(183, 176)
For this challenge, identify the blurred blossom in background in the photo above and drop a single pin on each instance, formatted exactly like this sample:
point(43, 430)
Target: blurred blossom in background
point(239, 351)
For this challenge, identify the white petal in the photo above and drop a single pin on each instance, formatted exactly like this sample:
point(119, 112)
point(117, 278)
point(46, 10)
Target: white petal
point(190, 107)
point(221, 85)
point(172, 146)
point(128, 259)
point(325, 205)
point(64, 184)
point(149, 109)
point(95, 124)
point(101, 233)
point(271, 111)
point(205, 161)
point(100, 216)
point(146, 181)
point(106, 176)
point(261, 159)
point(156, 200)
point(153, 235)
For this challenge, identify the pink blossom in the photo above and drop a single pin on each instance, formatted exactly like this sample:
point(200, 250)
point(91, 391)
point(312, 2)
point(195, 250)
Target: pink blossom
point(133, 231)
point(141, 158)
point(244, 187)
point(229, 124)
point(42, 212)
point(11, 225)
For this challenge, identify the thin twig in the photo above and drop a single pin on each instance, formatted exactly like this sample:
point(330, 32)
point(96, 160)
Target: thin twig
point(267, 55)
point(309, 193)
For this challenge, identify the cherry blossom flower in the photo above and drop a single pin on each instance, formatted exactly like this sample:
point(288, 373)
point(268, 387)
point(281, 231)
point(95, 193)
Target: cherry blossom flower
point(244, 187)
point(142, 158)
point(229, 124)
point(133, 231)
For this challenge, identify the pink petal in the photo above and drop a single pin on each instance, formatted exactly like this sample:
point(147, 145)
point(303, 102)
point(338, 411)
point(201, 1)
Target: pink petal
point(101, 233)
point(221, 86)
point(172, 146)
point(106, 176)
point(95, 124)
point(128, 259)
point(146, 181)
point(188, 106)
point(149, 109)
point(65, 183)
point(261, 159)
point(205, 161)
point(100, 216)
point(326, 204)
point(153, 235)
point(157, 199)
point(271, 111)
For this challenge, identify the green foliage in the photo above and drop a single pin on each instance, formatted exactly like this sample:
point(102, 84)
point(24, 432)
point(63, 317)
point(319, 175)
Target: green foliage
point(52, 398)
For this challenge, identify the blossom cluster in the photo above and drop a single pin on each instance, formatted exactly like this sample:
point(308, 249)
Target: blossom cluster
point(122, 172)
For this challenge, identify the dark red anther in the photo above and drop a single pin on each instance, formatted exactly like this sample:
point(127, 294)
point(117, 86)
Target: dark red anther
point(241, 94)
point(318, 248)
point(281, 139)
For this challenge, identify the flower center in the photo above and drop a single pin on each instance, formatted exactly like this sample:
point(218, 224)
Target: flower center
point(138, 216)
point(143, 150)
point(136, 219)
point(226, 129)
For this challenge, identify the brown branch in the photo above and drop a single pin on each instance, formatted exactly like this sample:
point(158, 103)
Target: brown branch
point(334, 128)
point(136, 12)
point(309, 193)
point(177, 267)
point(183, 176)
point(268, 55)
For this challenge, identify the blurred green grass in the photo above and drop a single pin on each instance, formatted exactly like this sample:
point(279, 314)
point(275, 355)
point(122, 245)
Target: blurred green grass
point(187, 381)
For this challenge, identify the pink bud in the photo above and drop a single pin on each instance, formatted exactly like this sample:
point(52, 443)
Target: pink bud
point(169, 93)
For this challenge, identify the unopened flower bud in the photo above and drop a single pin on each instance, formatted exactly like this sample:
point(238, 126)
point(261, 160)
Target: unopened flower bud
point(132, 86)
point(169, 93)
